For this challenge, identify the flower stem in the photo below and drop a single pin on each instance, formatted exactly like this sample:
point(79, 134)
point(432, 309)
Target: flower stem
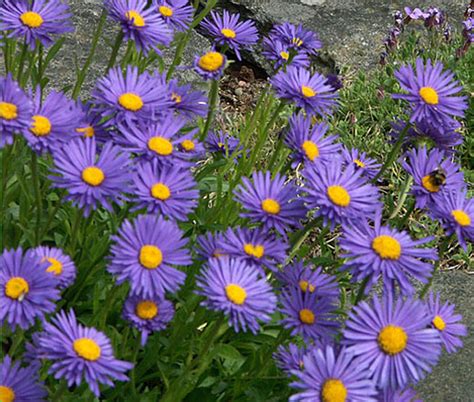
point(24, 50)
point(36, 185)
point(115, 49)
point(403, 196)
point(212, 108)
point(361, 291)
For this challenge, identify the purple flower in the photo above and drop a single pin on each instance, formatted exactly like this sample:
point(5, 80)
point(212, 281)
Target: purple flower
point(91, 124)
point(399, 395)
point(271, 202)
point(307, 91)
point(330, 376)
point(360, 161)
point(91, 179)
point(178, 14)
point(415, 14)
point(144, 253)
point(79, 353)
point(20, 383)
point(208, 246)
point(16, 110)
point(297, 37)
point(308, 315)
point(148, 314)
point(58, 264)
point(341, 195)
point(433, 175)
point(27, 291)
point(189, 148)
point(393, 340)
point(222, 142)
point(282, 54)
point(38, 21)
point(236, 289)
point(431, 92)
point(142, 25)
point(289, 359)
point(382, 252)
point(210, 65)
point(165, 190)
point(186, 102)
point(309, 145)
point(228, 30)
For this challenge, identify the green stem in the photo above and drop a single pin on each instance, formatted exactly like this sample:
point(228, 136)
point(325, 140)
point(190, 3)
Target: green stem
point(134, 360)
point(18, 337)
point(6, 155)
point(442, 249)
point(59, 392)
point(183, 41)
point(115, 49)
point(361, 291)
point(276, 153)
point(403, 196)
point(37, 190)
point(75, 230)
point(24, 50)
point(301, 237)
point(212, 108)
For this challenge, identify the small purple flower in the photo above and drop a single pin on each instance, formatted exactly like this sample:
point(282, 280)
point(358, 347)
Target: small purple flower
point(148, 314)
point(297, 37)
point(229, 30)
point(282, 54)
point(222, 142)
point(20, 383)
point(236, 289)
point(186, 102)
point(271, 202)
point(91, 124)
point(392, 339)
point(289, 359)
point(208, 246)
point(178, 14)
point(360, 161)
point(27, 291)
point(310, 92)
point(144, 253)
point(210, 65)
point(415, 14)
point(79, 353)
point(190, 149)
point(35, 22)
point(91, 179)
point(16, 110)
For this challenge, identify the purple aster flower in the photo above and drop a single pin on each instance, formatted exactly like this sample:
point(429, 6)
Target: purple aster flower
point(210, 65)
point(330, 376)
point(382, 252)
point(306, 278)
point(456, 213)
point(447, 322)
point(360, 161)
point(308, 315)
point(399, 395)
point(144, 253)
point(222, 142)
point(131, 97)
point(310, 92)
point(189, 148)
point(415, 13)
point(20, 383)
point(208, 246)
point(58, 264)
point(271, 202)
point(297, 37)
point(231, 286)
point(393, 340)
point(341, 195)
point(289, 359)
point(143, 26)
point(91, 124)
point(91, 178)
point(178, 14)
point(282, 54)
point(16, 110)
point(79, 353)
point(165, 190)
point(38, 21)
point(148, 314)
point(255, 247)
point(310, 144)
point(229, 30)
point(27, 290)
point(53, 123)
point(186, 102)
point(431, 92)
point(433, 175)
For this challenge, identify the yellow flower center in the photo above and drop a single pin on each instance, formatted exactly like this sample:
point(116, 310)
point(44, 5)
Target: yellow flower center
point(236, 294)
point(93, 176)
point(271, 206)
point(56, 266)
point(439, 323)
point(339, 196)
point(305, 286)
point(176, 98)
point(16, 288)
point(284, 55)
point(87, 132)
point(6, 394)
point(429, 185)
point(31, 19)
point(160, 191)
point(429, 95)
point(146, 310)
point(211, 61)
point(160, 145)
point(254, 251)
point(306, 316)
point(307, 92)
point(188, 145)
point(387, 247)
point(8, 111)
point(297, 41)
point(40, 126)
point(461, 217)
point(130, 101)
point(87, 349)
point(150, 256)
point(311, 150)
point(165, 11)
point(135, 17)
point(392, 339)
point(333, 391)
point(228, 33)
point(359, 163)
